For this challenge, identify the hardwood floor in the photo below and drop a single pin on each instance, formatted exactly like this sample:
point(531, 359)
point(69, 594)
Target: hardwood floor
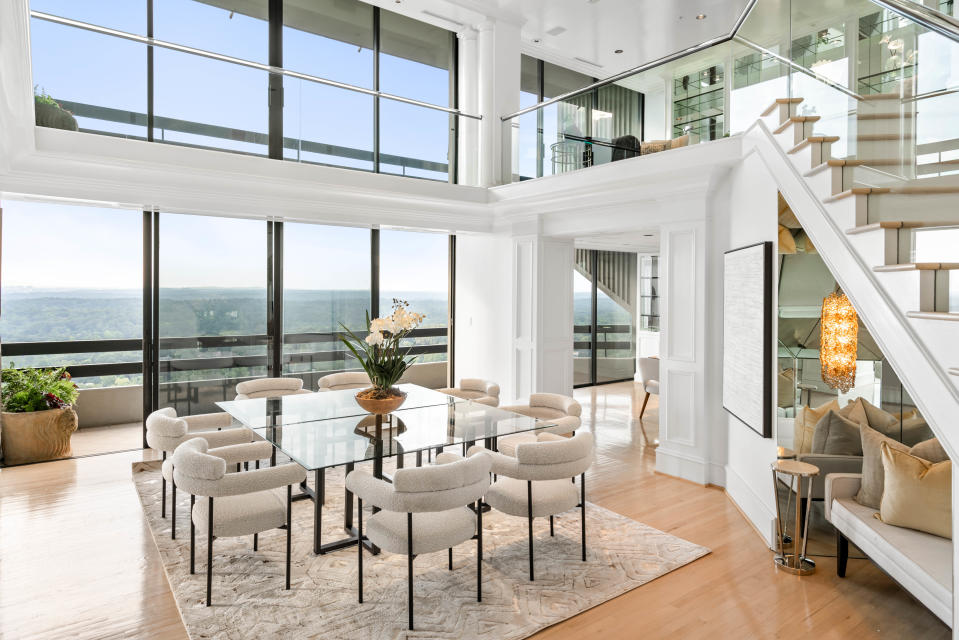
point(77, 561)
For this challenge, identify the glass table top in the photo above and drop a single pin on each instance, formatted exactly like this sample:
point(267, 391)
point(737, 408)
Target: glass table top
point(309, 407)
point(338, 441)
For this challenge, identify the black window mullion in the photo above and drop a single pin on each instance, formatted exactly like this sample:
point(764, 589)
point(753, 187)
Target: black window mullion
point(275, 94)
point(594, 341)
point(451, 315)
point(540, 91)
point(149, 72)
point(274, 294)
point(374, 273)
point(148, 259)
point(155, 313)
point(452, 163)
point(376, 87)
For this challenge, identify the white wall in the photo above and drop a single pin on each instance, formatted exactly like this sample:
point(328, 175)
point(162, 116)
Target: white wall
point(483, 309)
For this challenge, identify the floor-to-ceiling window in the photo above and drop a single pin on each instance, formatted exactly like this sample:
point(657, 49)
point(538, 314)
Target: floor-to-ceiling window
point(308, 82)
point(212, 308)
point(71, 296)
point(605, 308)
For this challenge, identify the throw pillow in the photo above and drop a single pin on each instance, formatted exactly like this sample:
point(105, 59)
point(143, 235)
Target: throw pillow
point(930, 450)
point(681, 141)
point(917, 493)
point(836, 435)
point(787, 244)
point(861, 411)
point(914, 430)
point(653, 146)
point(805, 425)
point(870, 492)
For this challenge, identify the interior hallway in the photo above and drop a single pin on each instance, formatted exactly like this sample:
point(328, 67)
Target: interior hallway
point(78, 561)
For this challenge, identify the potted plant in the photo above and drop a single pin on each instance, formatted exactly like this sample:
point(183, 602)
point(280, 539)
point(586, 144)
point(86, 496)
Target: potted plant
point(49, 113)
point(38, 416)
point(382, 358)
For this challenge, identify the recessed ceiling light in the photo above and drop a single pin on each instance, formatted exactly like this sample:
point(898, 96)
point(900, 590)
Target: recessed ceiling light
point(536, 41)
point(647, 235)
point(618, 51)
point(701, 16)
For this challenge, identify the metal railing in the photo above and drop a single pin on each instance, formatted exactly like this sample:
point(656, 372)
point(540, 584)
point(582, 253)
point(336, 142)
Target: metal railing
point(603, 344)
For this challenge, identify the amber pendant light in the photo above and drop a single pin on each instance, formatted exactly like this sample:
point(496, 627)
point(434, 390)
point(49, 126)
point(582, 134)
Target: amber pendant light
point(838, 344)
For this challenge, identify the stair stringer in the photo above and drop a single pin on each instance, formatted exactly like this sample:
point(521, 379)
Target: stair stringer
point(926, 380)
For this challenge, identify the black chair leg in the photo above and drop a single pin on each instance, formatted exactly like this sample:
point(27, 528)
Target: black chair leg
point(451, 559)
point(209, 550)
point(256, 541)
point(359, 549)
point(842, 554)
point(163, 493)
point(409, 566)
point(551, 532)
point(529, 515)
point(173, 509)
point(192, 537)
point(479, 550)
point(582, 507)
point(289, 531)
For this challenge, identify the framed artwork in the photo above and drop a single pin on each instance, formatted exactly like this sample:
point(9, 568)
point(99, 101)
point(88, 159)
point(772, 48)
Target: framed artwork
point(747, 336)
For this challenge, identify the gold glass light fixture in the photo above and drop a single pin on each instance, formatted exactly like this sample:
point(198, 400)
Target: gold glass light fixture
point(838, 343)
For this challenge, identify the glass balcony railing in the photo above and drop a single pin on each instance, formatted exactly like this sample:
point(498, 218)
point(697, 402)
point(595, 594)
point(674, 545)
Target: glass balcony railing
point(881, 76)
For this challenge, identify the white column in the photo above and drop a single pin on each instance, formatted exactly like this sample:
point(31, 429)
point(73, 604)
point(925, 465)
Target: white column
point(683, 449)
point(542, 321)
point(498, 77)
point(468, 128)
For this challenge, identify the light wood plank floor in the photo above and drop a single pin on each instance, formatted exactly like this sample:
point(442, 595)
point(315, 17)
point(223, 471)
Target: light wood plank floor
point(77, 560)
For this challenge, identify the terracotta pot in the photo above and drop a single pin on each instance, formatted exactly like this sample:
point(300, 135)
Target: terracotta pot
point(33, 436)
point(383, 406)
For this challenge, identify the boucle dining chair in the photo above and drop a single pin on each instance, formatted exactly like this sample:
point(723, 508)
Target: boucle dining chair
point(536, 483)
point(425, 509)
point(562, 411)
point(247, 502)
point(269, 388)
point(344, 380)
point(649, 372)
point(475, 389)
point(166, 431)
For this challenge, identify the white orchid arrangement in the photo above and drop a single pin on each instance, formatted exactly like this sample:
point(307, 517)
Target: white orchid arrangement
point(380, 353)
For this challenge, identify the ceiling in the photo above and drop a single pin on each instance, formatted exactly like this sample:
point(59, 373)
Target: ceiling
point(584, 34)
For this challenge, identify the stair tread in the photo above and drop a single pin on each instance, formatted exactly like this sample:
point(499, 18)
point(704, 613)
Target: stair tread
point(949, 316)
point(882, 137)
point(794, 119)
point(954, 371)
point(882, 116)
point(778, 102)
point(856, 162)
point(812, 139)
point(897, 224)
point(902, 191)
point(919, 266)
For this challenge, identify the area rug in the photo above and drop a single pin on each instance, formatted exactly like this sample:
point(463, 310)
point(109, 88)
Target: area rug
point(249, 600)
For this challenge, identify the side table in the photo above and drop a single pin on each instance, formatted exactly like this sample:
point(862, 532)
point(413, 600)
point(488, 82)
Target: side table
point(796, 561)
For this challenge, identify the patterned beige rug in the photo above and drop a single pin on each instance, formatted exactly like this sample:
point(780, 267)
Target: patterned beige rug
point(249, 600)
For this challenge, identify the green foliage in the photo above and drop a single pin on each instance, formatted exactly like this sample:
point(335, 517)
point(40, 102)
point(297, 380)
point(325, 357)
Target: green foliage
point(36, 389)
point(42, 97)
point(383, 359)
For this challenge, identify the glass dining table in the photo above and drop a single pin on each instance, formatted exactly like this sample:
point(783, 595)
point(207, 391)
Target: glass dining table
point(320, 431)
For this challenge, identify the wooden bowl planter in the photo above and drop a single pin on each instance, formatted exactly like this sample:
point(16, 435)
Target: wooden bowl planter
point(34, 436)
point(380, 406)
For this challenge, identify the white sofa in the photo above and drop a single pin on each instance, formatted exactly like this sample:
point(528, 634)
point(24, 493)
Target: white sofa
point(920, 562)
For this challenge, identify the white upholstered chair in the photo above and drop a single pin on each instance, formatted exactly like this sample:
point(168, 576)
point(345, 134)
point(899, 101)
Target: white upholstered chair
point(425, 509)
point(344, 380)
point(649, 371)
point(269, 388)
point(246, 503)
point(536, 483)
point(564, 412)
point(475, 389)
point(166, 431)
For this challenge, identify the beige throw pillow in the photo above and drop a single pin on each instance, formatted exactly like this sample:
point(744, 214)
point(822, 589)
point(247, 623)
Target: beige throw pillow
point(870, 491)
point(917, 493)
point(805, 424)
point(930, 450)
point(837, 436)
point(862, 411)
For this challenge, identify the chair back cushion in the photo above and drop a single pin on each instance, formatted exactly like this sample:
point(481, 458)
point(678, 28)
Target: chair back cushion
point(649, 369)
point(555, 459)
point(567, 405)
point(192, 462)
point(344, 380)
point(165, 430)
point(441, 487)
point(269, 387)
point(480, 386)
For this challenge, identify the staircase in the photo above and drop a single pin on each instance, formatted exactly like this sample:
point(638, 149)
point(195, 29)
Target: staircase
point(879, 224)
point(615, 275)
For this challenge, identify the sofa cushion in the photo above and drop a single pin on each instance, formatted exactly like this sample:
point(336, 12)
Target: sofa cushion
point(920, 562)
point(917, 494)
point(432, 531)
point(805, 425)
point(930, 450)
point(870, 493)
point(834, 434)
point(243, 515)
point(550, 497)
point(861, 411)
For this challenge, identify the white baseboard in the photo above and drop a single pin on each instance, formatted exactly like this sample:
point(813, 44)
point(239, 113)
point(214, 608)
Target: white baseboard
point(681, 465)
point(759, 513)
